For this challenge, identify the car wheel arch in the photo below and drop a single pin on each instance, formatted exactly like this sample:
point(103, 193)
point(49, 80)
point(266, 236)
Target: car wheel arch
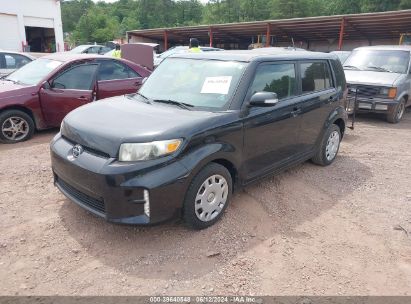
point(23, 109)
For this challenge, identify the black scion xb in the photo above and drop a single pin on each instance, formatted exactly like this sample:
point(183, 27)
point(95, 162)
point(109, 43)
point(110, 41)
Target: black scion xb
point(201, 126)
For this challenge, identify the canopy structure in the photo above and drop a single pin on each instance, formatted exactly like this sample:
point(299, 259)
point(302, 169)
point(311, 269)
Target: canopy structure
point(368, 27)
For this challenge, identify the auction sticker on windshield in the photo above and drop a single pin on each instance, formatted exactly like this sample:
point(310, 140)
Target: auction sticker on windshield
point(217, 85)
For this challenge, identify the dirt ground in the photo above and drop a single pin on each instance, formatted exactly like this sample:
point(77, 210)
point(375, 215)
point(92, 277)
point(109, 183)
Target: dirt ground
point(340, 230)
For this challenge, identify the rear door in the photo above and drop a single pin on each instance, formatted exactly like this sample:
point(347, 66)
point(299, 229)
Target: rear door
point(318, 99)
point(270, 134)
point(115, 78)
point(67, 91)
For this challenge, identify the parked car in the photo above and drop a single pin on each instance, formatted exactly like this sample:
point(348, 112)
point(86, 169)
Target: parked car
point(11, 61)
point(177, 50)
point(342, 55)
point(200, 126)
point(41, 93)
point(91, 49)
point(379, 77)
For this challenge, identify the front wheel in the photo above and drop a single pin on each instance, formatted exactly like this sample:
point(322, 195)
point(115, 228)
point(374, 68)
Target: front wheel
point(329, 146)
point(207, 197)
point(15, 126)
point(396, 112)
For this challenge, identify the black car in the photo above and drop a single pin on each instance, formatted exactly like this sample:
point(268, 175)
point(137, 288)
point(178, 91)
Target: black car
point(201, 126)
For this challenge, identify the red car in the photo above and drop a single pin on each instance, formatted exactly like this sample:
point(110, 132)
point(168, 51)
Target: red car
point(40, 94)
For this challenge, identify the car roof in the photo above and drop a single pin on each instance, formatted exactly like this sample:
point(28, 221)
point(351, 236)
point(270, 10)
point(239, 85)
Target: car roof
point(67, 56)
point(248, 56)
point(17, 53)
point(386, 47)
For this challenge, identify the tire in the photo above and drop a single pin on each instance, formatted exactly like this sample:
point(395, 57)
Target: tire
point(210, 205)
point(15, 126)
point(329, 146)
point(396, 112)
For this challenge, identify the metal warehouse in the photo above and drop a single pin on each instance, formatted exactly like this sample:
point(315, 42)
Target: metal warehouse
point(327, 33)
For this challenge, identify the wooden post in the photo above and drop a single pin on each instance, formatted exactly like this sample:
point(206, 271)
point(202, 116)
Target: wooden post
point(210, 33)
point(165, 41)
point(340, 42)
point(268, 37)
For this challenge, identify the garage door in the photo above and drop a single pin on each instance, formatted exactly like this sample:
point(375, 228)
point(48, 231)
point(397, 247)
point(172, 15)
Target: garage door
point(38, 22)
point(10, 38)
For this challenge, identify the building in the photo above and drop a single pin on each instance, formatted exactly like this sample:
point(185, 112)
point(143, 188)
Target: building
point(31, 25)
point(325, 33)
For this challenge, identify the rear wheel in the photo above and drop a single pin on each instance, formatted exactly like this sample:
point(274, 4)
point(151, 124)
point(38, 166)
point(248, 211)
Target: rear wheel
point(15, 126)
point(329, 146)
point(396, 112)
point(207, 196)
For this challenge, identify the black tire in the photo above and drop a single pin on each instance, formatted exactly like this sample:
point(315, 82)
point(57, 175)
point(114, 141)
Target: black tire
point(396, 112)
point(321, 155)
point(5, 136)
point(189, 206)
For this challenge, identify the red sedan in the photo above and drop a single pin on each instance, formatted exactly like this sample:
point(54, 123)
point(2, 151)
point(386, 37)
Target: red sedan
point(40, 94)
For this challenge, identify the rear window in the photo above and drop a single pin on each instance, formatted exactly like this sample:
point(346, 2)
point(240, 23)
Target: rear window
point(315, 76)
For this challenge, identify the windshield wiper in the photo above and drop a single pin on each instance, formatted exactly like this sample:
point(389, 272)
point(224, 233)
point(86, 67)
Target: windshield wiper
point(352, 67)
point(183, 105)
point(13, 81)
point(147, 100)
point(379, 69)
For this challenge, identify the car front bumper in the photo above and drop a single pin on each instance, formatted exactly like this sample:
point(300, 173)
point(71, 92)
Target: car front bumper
point(374, 105)
point(126, 193)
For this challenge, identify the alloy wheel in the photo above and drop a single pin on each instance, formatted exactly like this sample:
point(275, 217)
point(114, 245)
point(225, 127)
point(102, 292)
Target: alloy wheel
point(15, 128)
point(333, 143)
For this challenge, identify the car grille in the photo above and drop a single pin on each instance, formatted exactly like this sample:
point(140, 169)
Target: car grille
point(88, 149)
point(363, 91)
point(95, 204)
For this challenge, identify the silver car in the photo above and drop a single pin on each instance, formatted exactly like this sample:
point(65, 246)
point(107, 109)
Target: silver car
point(11, 61)
point(379, 79)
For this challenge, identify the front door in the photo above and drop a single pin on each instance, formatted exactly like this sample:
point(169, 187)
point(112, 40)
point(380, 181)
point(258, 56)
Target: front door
point(115, 79)
point(270, 134)
point(71, 89)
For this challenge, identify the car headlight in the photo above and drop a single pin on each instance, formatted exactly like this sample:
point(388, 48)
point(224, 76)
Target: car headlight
point(146, 151)
point(390, 92)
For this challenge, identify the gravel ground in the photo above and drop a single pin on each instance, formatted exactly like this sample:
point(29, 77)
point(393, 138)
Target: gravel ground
point(340, 230)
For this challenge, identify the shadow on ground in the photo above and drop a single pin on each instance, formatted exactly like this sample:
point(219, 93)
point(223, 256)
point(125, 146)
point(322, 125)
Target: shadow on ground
point(276, 205)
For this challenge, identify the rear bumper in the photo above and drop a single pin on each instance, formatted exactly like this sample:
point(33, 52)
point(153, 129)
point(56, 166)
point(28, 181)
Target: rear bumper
point(134, 193)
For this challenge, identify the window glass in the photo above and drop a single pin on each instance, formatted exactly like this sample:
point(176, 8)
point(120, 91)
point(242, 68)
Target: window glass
point(77, 78)
point(15, 61)
point(35, 71)
point(205, 84)
point(276, 78)
point(111, 70)
point(315, 76)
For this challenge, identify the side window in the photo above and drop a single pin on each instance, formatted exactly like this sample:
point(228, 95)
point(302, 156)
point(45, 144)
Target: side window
point(15, 61)
point(315, 76)
point(78, 78)
point(276, 78)
point(111, 70)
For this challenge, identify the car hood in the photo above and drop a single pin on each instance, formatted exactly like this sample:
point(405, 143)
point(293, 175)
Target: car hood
point(371, 77)
point(104, 125)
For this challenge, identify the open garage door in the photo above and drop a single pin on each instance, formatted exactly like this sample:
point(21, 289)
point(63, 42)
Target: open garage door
point(40, 34)
point(10, 36)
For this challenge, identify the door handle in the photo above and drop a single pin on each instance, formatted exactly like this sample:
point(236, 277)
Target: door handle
point(296, 112)
point(82, 98)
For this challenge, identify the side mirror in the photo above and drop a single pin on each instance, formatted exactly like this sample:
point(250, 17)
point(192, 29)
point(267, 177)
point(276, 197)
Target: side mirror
point(264, 99)
point(46, 85)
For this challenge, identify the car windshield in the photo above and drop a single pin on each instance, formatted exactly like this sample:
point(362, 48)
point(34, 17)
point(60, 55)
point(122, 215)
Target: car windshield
point(379, 60)
point(33, 72)
point(196, 82)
